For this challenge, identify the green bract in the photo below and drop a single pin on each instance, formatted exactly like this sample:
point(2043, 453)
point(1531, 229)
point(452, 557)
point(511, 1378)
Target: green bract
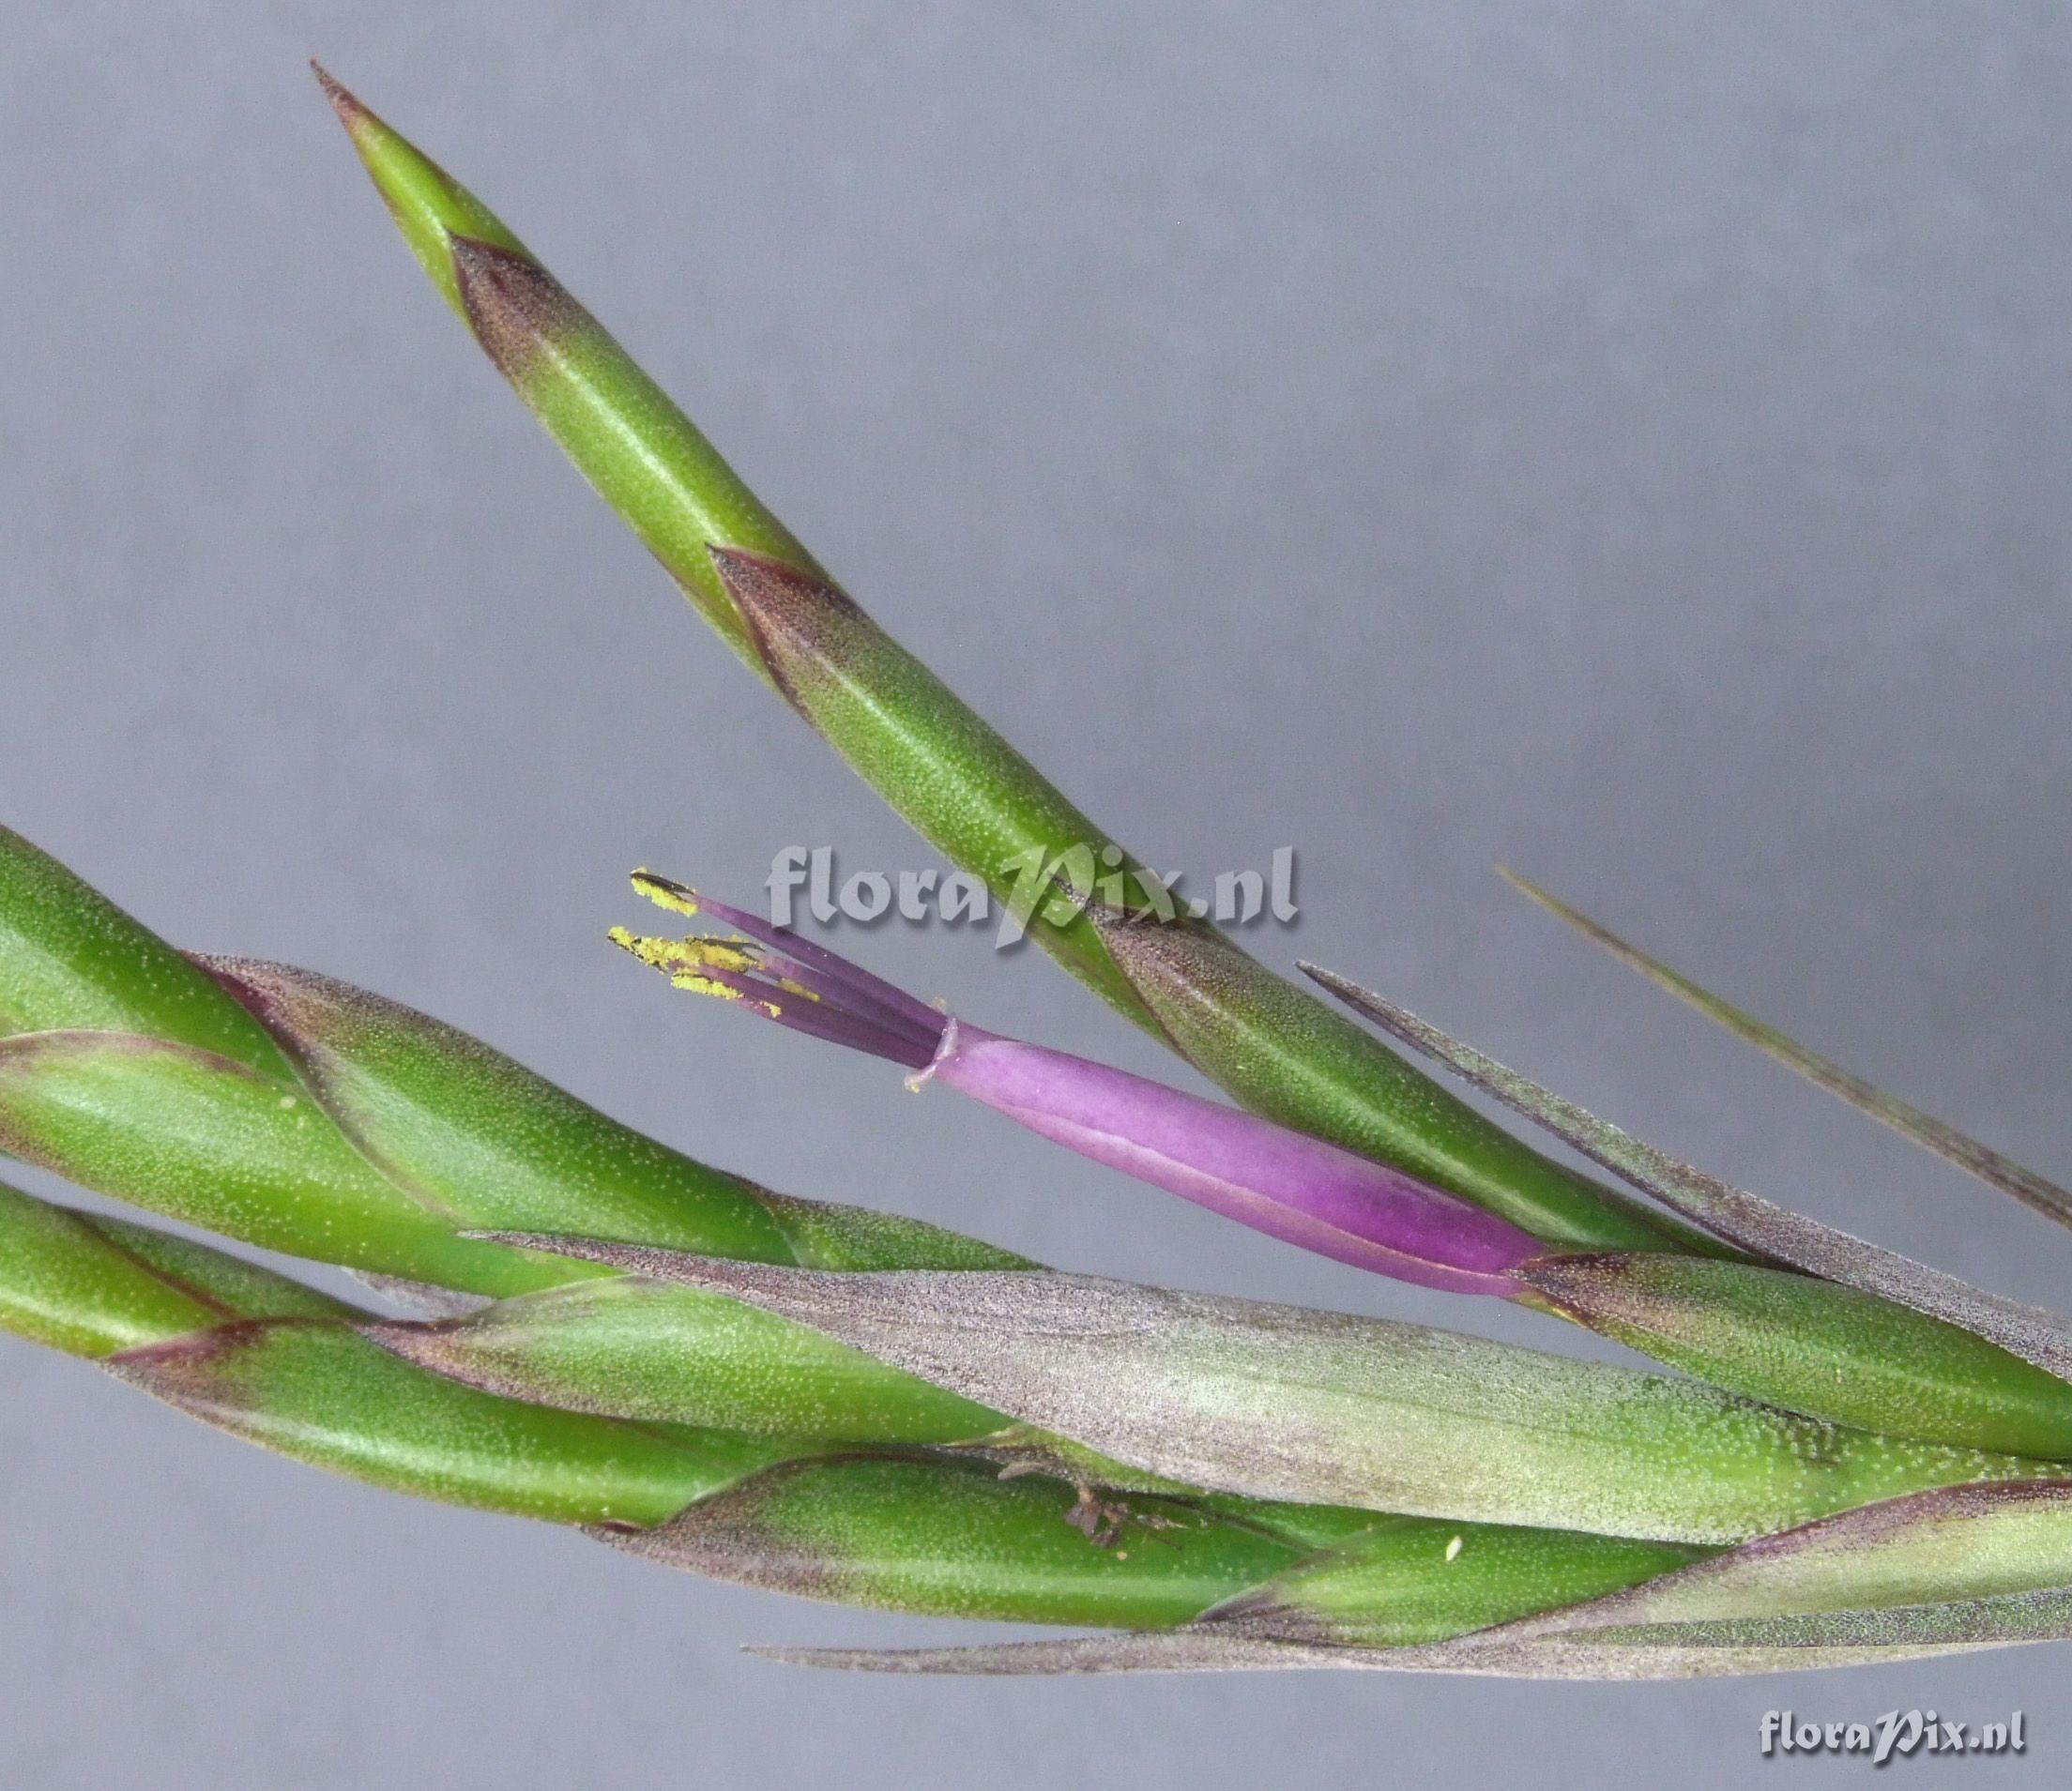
point(1281, 1403)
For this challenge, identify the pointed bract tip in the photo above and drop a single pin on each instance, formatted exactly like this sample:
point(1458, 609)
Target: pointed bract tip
point(352, 114)
point(426, 1343)
point(837, 1659)
point(792, 596)
point(1527, 888)
point(1189, 1650)
point(1953, 1147)
point(196, 1371)
point(1376, 1007)
point(518, 311)
point(550, 1243)
point(744, 565)
point(763, 594)
point(1153, 930)
point(633, 1259)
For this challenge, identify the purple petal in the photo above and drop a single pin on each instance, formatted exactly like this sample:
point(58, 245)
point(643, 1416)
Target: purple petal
point(821, 1017)
point(1284, 1183)
point(816, 961)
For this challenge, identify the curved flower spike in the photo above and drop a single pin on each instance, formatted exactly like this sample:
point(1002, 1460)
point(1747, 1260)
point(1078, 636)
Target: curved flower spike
point(1284, 1183)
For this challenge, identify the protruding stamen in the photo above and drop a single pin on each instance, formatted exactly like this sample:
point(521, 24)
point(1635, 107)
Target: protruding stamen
point(785, 979)
point(810, 960)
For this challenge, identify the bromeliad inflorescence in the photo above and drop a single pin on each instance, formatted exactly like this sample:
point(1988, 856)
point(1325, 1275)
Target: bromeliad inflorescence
point(1862, 1459)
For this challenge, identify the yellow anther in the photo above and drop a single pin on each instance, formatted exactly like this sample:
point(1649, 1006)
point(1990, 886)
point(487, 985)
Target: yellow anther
point(697, 985)
point(666, 892)
point(720, 952)
point(685, 961)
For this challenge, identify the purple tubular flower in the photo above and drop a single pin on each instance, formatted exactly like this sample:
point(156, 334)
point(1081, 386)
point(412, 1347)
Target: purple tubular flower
point(1284, 1183)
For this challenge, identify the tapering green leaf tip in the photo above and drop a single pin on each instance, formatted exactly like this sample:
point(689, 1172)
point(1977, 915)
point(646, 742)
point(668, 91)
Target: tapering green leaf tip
point(642, 454)
point(429, 206)
point(1953, 1147)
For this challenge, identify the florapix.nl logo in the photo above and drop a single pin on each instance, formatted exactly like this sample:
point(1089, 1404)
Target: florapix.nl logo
point(1899, 1735)
point(1031, 884)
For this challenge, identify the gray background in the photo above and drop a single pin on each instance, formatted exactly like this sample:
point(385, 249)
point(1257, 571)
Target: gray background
point(1629, 442)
